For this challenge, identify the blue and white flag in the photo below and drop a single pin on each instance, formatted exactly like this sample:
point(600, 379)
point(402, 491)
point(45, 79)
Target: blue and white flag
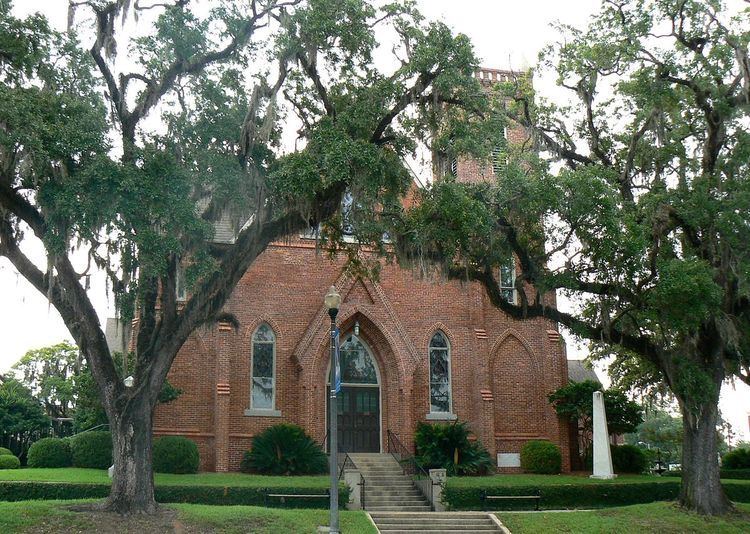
point(336, 361)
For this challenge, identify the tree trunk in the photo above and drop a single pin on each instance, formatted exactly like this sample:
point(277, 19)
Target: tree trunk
point(701, 486)
point(133, 480)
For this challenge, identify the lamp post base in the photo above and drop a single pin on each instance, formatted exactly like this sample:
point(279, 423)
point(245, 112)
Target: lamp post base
point(327, 530)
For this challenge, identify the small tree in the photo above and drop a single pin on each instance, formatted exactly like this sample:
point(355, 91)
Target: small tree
point(21, 415)
point(51, 374)
point(574, 401)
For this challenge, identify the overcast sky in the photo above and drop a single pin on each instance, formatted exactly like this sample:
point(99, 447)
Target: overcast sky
point(505, 33)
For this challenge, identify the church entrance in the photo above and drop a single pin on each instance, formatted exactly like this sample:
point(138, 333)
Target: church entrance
point(359, 398)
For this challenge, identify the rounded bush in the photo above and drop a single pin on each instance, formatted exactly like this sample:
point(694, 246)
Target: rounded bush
point(92, 449)
point(49, 452)
point(736, 459)
point(284, 450)
point(628, 459)
point(175, 454)
point(8, 461)
point(541, 457)
point(6, 452)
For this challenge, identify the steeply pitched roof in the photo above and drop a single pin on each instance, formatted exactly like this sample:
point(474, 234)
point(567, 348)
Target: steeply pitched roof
point(578, 372)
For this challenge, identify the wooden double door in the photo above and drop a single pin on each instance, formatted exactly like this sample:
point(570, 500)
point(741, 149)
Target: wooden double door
point(358, 419)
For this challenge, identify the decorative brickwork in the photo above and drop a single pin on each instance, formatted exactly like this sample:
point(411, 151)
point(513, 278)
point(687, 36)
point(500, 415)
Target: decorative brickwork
point(501, 369)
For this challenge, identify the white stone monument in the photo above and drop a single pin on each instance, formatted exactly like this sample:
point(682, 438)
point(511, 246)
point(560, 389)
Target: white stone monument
point(602, 452)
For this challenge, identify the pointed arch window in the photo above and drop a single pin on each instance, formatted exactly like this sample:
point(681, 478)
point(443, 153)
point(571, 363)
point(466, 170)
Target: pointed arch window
point(440, 374)
point(263, 372)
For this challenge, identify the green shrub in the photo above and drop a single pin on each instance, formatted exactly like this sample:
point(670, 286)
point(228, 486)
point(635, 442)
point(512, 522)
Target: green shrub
point(92, 449)
point(447, 446)
point(629, 459)
point(541, 457)
point(175, 454)
point(569, 496)
point(8, 461)
point(6, 452)
point(284, 450)
point(736, 459)
point(213, 495)
point(49, 452)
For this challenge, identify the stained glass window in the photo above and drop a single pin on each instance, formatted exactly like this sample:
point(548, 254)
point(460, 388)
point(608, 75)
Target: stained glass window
point(440, 374)
point(357, 365)
point(263, 376)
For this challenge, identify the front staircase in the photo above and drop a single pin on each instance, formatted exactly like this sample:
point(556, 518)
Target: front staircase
point(397, 506)
point(387, 488)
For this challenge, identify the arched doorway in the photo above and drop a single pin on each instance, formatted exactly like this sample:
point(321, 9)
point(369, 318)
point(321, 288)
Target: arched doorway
point(359, 398)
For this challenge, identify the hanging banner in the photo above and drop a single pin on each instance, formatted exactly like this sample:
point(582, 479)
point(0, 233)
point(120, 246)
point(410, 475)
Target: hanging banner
point(336, 361)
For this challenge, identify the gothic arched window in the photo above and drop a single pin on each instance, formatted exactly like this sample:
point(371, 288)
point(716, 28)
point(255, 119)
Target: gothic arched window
point(263, 369)
point(440, 374)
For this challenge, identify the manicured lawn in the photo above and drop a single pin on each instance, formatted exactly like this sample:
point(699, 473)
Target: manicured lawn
point(554, 480)
point(658, 518)
point(269, 520)
point(53, 516)
point(97, 476)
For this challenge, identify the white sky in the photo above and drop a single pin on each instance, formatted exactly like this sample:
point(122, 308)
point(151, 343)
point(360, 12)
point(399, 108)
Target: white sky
point(505, 33)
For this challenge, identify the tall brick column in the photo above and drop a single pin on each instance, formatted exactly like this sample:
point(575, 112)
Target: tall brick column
point(221, 413)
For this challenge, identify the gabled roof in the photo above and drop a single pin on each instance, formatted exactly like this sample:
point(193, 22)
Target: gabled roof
point(579, 372)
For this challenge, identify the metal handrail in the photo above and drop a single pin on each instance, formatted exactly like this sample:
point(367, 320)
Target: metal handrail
point(348, 462)
point(408, 462)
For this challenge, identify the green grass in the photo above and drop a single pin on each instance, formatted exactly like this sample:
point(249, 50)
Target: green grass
point(554, 480)
point(657, 518)
point(98, 476)
point(52, 516)
point(231, 519)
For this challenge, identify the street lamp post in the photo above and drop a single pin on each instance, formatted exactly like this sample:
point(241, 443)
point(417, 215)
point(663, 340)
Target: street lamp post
point(332, 302)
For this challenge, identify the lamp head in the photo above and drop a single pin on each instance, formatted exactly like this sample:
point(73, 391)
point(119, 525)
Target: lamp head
point(332, 299)
point(128, 382)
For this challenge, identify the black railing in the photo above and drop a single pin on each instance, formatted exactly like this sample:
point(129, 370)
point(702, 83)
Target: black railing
point(409, 465)
point(348, 463)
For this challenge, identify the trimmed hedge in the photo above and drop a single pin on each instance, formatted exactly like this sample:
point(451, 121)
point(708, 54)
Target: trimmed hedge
point(6, 452)
point(726, 474)
point(92, 449)
point(214, 495)
point(8, 461)
point(49, 452)
point(579, 495)
point(175, 454)
point(541, 457)
point(736, 459)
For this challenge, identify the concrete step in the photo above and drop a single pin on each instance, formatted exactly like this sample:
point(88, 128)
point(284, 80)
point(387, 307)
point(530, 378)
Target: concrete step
point(481, 524)
point(426, 527)
point(385, 501)
point(391, 492)
point(423, 508)
point(431, 515)
point(433, 531)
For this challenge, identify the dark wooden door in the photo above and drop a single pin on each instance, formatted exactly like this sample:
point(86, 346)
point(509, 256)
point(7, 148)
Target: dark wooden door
point(359, 419)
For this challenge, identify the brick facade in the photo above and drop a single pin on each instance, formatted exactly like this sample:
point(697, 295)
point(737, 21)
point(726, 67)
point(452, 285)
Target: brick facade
point(501, 369)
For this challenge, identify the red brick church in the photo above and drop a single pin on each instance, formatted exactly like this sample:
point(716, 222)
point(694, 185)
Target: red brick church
point(428, 350)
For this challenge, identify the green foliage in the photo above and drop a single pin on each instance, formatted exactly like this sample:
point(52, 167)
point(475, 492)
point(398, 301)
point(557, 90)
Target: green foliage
point(542, 457)
point(574, 401)
point(8, 461)
point(5, 452)
point(20, 413)
point(447, 446)
point(197, 494)
point(49, 452)
point(661, 432)
point(92, 449)
point(284, 449)
point(597, 495)
point(629, 459)
point(175, 454)
point(51, 375)
point(736, 459)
